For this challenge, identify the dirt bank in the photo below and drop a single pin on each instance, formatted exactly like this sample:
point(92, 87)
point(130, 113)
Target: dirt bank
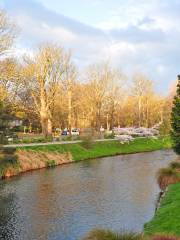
point(30, 160)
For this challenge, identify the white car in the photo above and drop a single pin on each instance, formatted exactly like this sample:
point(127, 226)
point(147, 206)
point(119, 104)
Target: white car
point(75, 132)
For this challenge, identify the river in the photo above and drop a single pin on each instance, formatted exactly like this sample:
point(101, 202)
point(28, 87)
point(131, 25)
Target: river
point(65, 202)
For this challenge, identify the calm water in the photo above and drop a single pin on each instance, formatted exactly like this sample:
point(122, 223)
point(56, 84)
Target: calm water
point(66, 202)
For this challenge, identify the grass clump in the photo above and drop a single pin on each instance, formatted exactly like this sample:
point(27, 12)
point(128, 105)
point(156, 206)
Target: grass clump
point(167, 176)
point(100, 234)
point(8, 160)
point(50, 163)
point(11, 159)
point(9, 150)
point(164, 237)
point(175, 165)
point(109, 135)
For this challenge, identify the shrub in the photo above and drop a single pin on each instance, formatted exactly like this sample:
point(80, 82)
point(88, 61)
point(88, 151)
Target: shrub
point(68, 138)
point(12, 159)
point(8, 161)
point(50, 163)
point(167, 176)
point(26, 140)
point(99, 234)
point(109, 136)
point(167, 171)
point(87, 142)
point(175, 165)
point(165, 127)
point(9, 150)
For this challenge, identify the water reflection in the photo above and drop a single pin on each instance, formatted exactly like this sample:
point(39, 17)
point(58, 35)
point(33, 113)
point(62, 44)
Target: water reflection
point(66, 202)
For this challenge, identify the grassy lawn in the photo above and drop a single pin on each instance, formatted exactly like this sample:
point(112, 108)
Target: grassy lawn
point(167, 218)
point(107, 148)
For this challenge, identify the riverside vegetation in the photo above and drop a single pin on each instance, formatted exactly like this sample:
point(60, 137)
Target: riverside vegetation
point(167, 217)
point(35, 157)
point(100, 234)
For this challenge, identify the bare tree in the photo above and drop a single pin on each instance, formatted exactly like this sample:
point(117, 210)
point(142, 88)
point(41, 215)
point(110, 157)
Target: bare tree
point(115, 96)
point(8, 32)
point(69, 84)
point(141, 88)
point(98, 77)
point(44, 72)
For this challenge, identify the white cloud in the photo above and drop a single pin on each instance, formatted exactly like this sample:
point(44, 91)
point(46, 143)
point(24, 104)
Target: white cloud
point(141, 36)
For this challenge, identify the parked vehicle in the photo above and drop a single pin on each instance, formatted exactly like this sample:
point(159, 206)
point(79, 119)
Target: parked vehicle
point(65, 132)
point(75, 132)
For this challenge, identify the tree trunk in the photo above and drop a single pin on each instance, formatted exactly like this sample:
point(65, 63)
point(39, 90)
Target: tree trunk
point(46, 123)
point(107, 122)
point(139, 111)
point(69, 110)
point(49, 126)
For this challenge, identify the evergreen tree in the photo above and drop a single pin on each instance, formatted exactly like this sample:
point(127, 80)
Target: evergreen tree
point(175, 119)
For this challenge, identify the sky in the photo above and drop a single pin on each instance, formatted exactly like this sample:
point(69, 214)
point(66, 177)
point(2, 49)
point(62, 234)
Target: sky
point(133, 35)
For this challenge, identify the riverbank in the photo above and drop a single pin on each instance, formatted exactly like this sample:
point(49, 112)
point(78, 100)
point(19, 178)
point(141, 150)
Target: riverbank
point(36, 157)
point(167, 217)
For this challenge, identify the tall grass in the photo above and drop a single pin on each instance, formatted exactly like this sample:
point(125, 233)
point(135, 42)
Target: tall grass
point(165, 237)
point(175, 165)
point(8, 160)
point(100, 234)
point(167, 176)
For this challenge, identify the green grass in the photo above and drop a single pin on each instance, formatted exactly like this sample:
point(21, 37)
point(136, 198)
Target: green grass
point(167, 217)
point(106, 148)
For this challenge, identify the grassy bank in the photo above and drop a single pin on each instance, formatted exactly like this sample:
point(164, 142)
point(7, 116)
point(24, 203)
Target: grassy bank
point(167, 217)
point(108, 148)
point(36, 157)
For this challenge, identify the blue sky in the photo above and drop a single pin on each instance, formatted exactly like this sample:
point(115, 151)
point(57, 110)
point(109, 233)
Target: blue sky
point(134, 35)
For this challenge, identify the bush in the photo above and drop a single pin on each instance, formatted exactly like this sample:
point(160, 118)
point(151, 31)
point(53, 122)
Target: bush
point(18, 129)
point(12, 159)
point(167, 176)
point(68, 138)
point(50, 163)
point(175, 165)
point(87, 142)
point(99, 234)
point(165, 127)
point(166, 172)
point(9, 150)
point(8, 161)
point(109, 136)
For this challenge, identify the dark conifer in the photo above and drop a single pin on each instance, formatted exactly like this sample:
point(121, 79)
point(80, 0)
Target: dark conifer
point(175, 119)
